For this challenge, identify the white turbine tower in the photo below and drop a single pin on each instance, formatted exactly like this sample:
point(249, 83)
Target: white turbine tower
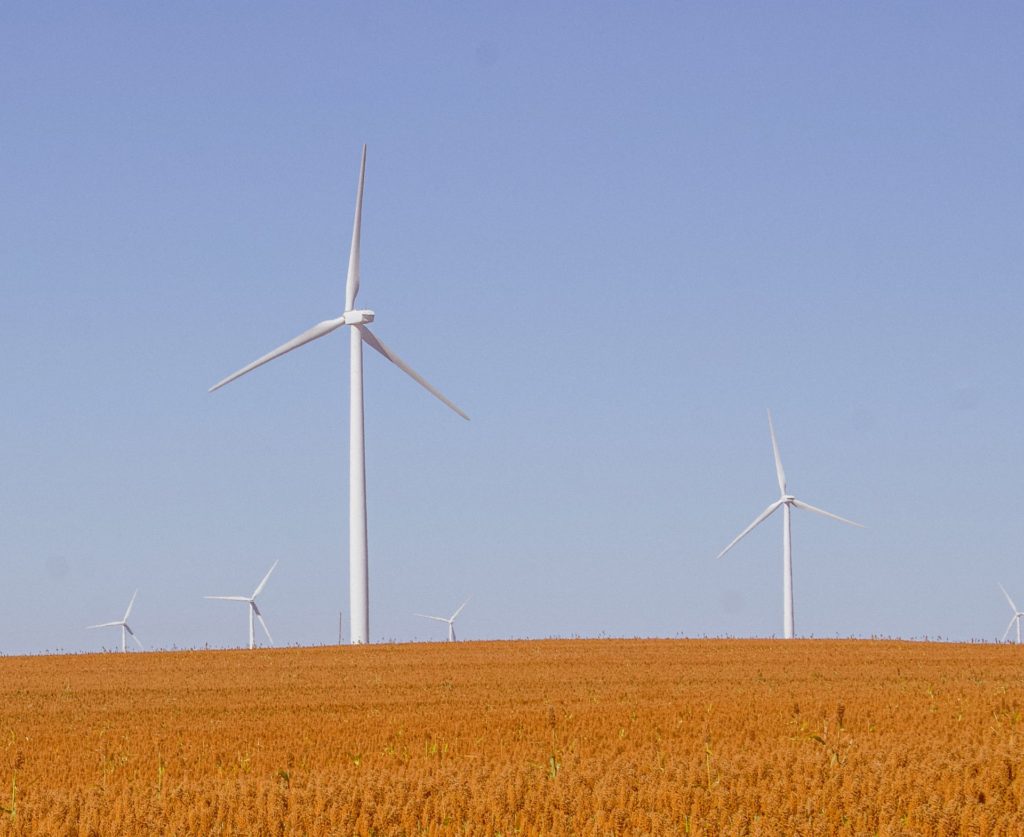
point(359, 594)
point(1016, 616)
point(450, 620)
point(786, 502)
point(254, 610)
point(123, 625)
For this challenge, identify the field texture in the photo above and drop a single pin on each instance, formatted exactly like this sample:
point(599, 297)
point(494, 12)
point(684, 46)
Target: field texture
point(554, 737)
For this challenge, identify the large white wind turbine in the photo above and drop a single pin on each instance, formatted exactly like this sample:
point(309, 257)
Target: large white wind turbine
point(450, 620)
point(123, 625)
point(1015, 618)
point(254, 610)
point(359, 596)
point(786, 502)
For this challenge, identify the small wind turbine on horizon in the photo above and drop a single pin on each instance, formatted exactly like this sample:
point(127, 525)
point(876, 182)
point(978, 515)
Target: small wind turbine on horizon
point(359, 594)
point(123, 625)
point(1015, 618)
point(254, 610)
point(786, 502)
point(450, 620)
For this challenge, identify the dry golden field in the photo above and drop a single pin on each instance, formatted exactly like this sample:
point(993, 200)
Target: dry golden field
point(554, 737)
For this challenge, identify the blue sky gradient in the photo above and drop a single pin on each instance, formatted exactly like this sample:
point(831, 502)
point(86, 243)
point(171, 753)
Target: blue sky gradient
point(613, 233)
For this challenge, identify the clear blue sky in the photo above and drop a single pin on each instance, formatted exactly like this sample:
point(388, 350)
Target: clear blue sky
point(614, 233)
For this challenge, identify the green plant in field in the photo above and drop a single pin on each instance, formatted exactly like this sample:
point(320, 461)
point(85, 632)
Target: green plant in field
point(833, 744)
point(13, 810)
point(707, 762)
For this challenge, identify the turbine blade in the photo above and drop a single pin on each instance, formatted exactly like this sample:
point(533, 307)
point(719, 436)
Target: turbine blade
point(264, 624)
point(127, 613)
point(800, 504)
point(319, 330)
point(1009, 599)
point(435, 618)
point(229, 598)
point(104, 625)
point(352, 282)
point(371, 340)
point(132, 634)
point(264, 582)
point(457, 612)
point(761, 517)
point(779, 472)
point(1009, 627)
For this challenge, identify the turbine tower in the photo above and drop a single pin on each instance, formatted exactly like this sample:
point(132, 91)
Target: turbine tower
point(254, 610)
point(123, 625)
point(786, 502)
point(359, 594)
point(1016, 616)
point(450, 620)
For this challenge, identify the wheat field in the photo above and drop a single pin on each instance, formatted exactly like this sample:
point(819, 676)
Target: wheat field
point(589, 737)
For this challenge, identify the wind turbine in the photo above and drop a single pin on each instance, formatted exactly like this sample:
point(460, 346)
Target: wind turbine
point(253, 608)
point(450, 620)
point(358, 552)
point(123, 625)
point(1016, 616)
point(786, 502)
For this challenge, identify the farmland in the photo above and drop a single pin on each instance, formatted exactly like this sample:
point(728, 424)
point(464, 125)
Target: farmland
point(550, 737)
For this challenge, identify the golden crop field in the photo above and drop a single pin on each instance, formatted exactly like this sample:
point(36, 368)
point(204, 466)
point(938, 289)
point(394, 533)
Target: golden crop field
point(587, 737)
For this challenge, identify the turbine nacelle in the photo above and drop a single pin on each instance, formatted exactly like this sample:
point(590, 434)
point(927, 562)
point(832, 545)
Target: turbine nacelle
point(357, 317)
point(788, 499)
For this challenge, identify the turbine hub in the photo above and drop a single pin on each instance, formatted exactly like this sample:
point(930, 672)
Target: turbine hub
point(788, 499)
point(358, 317)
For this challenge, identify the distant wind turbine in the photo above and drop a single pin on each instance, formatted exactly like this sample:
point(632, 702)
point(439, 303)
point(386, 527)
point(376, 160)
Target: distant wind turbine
point(254, 610)
point(785, 501)
point(450, 620)
point(123, 625)
point(1016, 616)
point(359, 594)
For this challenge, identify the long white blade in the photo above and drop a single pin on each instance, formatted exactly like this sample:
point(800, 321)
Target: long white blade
point(1009, 599)
point(229, 598)
point(127, 613)
point(435, 618)
point(371, 340)
point(319, 330)
point(800, 504)
point(105, 625)
point(1009, 627)
point(264, 624)
point(457, 612)
point(352, 283)
point(761, 517)
point(779, 473)
point(130, 631)
point(264, 582)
